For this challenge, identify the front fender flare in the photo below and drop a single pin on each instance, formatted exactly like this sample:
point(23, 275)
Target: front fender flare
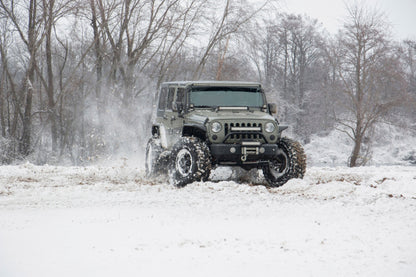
point(194, 130)
point(281, 128)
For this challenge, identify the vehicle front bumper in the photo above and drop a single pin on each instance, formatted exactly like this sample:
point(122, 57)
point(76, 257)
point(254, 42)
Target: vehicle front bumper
point(250, 152)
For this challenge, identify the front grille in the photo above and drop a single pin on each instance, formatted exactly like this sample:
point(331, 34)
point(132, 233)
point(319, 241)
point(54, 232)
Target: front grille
point(237, 132)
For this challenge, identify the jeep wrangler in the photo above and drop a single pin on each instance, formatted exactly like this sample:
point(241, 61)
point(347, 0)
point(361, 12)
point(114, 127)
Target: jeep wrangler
point(201, 125)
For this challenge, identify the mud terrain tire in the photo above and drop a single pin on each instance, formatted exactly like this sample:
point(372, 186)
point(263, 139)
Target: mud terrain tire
point(290, 162)
point(190, 161)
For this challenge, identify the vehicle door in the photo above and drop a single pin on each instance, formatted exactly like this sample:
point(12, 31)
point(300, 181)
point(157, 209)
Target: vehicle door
point(171, 118)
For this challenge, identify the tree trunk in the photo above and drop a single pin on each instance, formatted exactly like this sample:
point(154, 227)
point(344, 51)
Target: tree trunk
point(355, 152)
point(50, 87)
point(2, 121)
point(2, 93)
point(221, 60)
point(25, 140)
point(99, 64)
point(358, 139)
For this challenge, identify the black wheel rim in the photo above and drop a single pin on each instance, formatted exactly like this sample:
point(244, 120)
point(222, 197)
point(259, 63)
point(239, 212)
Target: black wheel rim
point(279, 166)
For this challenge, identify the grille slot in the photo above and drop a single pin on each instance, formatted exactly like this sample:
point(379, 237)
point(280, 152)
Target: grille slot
point(243, 131)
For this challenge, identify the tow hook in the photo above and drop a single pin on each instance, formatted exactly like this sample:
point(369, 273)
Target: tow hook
point(243, 158)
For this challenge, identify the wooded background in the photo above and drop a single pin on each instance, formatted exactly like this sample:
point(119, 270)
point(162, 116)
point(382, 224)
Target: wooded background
point(79, 78)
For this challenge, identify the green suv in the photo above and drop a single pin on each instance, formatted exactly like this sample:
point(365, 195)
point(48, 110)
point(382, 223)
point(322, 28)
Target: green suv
point(201, 125)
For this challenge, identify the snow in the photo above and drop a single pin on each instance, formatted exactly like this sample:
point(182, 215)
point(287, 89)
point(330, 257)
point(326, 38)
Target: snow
point(391, 145)
point(112, 221)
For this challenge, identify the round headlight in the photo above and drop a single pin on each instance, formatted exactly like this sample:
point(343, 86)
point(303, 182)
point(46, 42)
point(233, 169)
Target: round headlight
point(215, 127)
point(269, 127)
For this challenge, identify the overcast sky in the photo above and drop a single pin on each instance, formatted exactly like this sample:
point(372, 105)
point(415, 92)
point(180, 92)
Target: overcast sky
point(400, 13)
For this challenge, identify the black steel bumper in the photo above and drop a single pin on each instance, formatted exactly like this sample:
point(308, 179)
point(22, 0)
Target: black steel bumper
point(241, 154)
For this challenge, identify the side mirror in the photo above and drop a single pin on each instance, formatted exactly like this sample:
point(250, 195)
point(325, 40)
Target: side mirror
point(272, 108)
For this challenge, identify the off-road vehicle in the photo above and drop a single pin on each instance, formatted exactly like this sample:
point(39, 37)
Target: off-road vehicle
point(200, 125)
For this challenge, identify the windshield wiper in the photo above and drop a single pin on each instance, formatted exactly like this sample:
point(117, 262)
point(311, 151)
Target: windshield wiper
point(202, 106)
point(214, 108)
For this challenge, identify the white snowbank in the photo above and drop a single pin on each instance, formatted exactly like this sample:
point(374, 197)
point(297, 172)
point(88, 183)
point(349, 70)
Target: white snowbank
point(111, 221)
point(390, 146)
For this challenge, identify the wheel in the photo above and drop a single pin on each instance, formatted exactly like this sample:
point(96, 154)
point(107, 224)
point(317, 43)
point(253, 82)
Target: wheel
point(153, 151)
point(290, 162)
point(190, 161)
point(207, 157)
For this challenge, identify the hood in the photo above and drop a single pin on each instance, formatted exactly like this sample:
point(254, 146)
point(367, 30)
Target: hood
point(203, 116)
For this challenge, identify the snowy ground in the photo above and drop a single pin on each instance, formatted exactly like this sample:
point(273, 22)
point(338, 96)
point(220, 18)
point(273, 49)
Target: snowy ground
point(111, 221)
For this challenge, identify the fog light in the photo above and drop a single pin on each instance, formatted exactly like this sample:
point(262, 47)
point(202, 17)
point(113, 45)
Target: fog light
point(232, 149)
point(262, 150)
point(272, 137)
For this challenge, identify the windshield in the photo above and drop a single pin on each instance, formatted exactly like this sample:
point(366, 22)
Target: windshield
point(226, 97)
